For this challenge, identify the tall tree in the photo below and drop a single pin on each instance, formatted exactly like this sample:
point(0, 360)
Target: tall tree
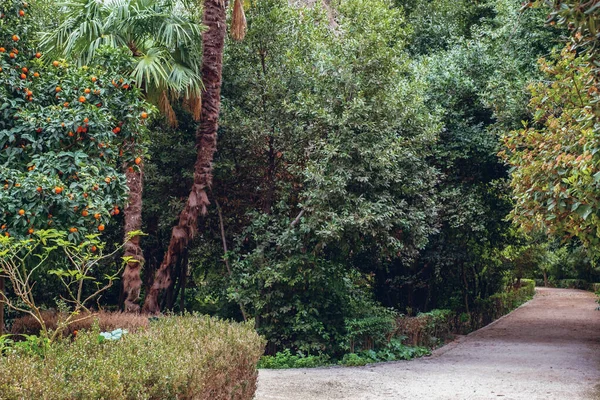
point(151, 30)
point(213, 42)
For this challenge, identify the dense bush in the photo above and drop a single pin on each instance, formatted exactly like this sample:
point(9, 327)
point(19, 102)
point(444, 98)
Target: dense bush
point(189, 357)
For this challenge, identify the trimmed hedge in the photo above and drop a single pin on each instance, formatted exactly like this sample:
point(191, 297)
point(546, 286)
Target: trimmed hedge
point(433, 328)
point(570, 284)
point(191, 357)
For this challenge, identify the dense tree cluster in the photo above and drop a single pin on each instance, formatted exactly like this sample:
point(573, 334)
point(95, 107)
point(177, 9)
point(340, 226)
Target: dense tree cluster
point(369, 153)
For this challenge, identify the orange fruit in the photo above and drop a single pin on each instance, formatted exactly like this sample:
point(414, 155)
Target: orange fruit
point(87, 91)
point(86, 120)
point(4, 226)
point(116, 130)
point(97, 215)
point(144, 115)
point(39, 189)
point(94, 248)
point(58, 190)
point(58, 89)
point(38, 55)
point(23, 76)
point(15, 38)
point(55, 63)
point(94, 79)
point(101, 227)
point(36, 74)
point(30, 231)
point(117, 211)
point(12, 55)
point(82, 99)
point(71, 134)
point(72, 230)
point(21, 212)
point(6, 234)
point(85, 213)
point(21, 13)
point(2, 50)
point(85, 195)
point(138, 160)
point(107, 180)
point(66, 104)
point(24, 69)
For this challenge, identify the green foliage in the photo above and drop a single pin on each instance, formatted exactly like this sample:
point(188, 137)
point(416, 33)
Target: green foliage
point(553, 158)
point(64, 135)
point(394, 351)
point(285, 359)
point(176, 357)
point(163, 41)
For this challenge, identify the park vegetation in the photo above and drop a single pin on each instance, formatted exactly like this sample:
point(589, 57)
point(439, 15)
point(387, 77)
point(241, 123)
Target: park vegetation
point(341, 182)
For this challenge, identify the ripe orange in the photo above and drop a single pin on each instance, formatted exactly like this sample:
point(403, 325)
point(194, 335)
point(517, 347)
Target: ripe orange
point(86, 120)
point(39, 189)
point(101, 227)
point(71, 134)
point(116, 130)
point(38, 55)
point(24, 69)
point(138, 160)
point(117, 211)
point(55, 63)
point(107, 180)
point(144, 115)
point(85, 213)
point(87, 91)
point(30, 231)
point(15, 38)
point(36, 74)
point(58, 190)
point(21, 13)
point(97, 215)
point(2, 50)
point(72, 230)
point(3, 226)
point(12, 55)
point(58, 89)
point(94, 248)
point(82, 99)
point(6, 234)
point(85, 195)
point(21, 212)
point(66, 104)
point(23, 76)
point(94, 79)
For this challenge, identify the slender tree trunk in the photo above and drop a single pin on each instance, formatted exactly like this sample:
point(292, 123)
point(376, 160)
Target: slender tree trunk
point(132, 282)
point(545, 279)
point(213, 40)
point(1, 307)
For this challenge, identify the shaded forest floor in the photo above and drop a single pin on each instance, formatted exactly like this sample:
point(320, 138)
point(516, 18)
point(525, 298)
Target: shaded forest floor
point(547, 349)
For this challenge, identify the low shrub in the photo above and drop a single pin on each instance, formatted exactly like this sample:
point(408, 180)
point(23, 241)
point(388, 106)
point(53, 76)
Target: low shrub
point(395, 350)
point(191, 357)
point(285, 359)
point(106, 321)
point(426, 329)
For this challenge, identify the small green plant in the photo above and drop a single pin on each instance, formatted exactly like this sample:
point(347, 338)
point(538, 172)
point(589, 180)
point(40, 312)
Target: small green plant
point(285, 359)
point(20, 259)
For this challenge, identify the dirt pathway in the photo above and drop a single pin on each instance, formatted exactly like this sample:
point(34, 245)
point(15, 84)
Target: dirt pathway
point(547, 349)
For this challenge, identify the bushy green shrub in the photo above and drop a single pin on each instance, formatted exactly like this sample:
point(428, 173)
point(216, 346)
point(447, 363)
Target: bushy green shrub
point(395, 350)
point(191, 357)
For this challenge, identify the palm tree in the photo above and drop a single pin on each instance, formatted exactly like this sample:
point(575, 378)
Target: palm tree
point(213, 41)
point(165, 45)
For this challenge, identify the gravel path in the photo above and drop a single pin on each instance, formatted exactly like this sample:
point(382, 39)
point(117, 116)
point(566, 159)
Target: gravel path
point(547, 349)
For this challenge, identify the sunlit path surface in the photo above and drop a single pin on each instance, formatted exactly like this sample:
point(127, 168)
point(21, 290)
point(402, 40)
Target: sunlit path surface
point(547, 349)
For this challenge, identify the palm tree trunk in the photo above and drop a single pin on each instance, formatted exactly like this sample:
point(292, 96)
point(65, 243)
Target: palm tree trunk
point(213, 40)
point(132, 282)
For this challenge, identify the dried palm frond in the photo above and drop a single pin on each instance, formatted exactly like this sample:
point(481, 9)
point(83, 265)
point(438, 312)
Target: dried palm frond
point(238, 21)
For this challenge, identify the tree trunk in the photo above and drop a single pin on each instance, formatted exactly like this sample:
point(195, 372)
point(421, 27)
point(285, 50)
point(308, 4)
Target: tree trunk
point(132, 282)
point(213, 40)
point(1, 307)
point(545, 279)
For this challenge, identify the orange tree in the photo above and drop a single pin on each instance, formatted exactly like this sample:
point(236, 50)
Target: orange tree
point(555, 159)
point(65, 133)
